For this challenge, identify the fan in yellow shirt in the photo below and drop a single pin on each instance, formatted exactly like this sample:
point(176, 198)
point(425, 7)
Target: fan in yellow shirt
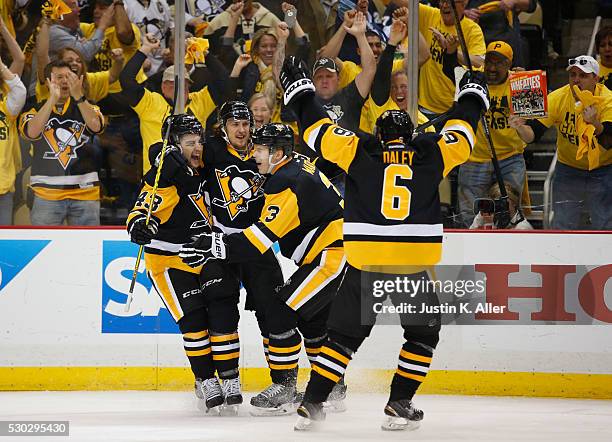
point(151, 107)
point(582, 114)
point(477, 174)
point(436, 89)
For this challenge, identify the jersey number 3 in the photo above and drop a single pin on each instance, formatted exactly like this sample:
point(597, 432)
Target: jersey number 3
point(395, 202)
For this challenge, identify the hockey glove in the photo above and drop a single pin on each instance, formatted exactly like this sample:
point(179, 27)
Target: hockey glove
point(174, 163)
point(475, 84)
point(295, 80)
point(140, 232)
point(205, 247)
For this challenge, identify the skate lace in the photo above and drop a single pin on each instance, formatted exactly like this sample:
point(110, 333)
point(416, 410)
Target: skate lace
point(272, 390)
point(232, 387)
point(212, 388)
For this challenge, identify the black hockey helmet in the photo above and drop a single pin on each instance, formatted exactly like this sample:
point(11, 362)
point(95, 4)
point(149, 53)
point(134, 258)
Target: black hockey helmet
point(182, 124)
point(394, 124)
point(275, 136)
point(237, 110)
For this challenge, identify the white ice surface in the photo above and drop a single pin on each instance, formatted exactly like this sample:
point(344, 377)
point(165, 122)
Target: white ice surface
point(172, 416)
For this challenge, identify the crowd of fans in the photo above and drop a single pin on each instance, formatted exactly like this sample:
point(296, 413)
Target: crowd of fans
point(86, 85)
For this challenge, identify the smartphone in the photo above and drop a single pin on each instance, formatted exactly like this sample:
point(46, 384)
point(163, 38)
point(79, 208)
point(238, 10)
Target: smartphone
point(290, 18)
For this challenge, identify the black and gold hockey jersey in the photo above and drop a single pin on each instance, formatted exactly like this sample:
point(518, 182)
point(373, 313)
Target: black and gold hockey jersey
point(64, 162)
point(302, 211)
point(392, 211)
point(182, 213)
point(234, 186)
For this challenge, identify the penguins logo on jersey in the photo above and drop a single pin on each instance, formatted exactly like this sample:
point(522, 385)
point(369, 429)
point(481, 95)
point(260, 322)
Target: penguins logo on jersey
point(334, 112)
point(239, 188)
point(200, 204)
point(64, 138)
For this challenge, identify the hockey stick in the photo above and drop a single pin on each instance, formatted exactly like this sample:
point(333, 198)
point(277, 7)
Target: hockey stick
point(153, 193)
point(435, 120)
point(503, 215)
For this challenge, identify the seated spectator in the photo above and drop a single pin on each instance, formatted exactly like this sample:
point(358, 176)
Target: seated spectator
point(261, 108)
point(484, 209)
point(96, 85)
point(65, 166)
point(230, 30)
point(501, 22)
point(152, 107)
point(436, 89)
point(582, 114)
point(12, 99)
point(603, 45)
point(477, 174)
point(344, 106)
point(152, 17)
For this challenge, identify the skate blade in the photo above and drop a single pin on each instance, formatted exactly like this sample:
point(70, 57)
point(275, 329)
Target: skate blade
point(283, 410)
point(228, 410)
point(306, 424)
point(399, 424)
point(214, 411)
point(335, 406)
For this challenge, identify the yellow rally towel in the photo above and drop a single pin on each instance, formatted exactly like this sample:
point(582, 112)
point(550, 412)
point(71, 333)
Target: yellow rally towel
point(55, 9)
point(494, 6)
point(586, 132)
point(196, 50)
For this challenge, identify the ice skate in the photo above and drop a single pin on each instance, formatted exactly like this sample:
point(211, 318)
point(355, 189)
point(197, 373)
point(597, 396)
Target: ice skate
point(401, 415)
point(335, 401)
point(310, 416)
point(276, 400)
point(233, 397)
point(209, 394)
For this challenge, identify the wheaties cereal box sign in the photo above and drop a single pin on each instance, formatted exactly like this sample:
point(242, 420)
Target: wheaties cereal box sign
point(528, 94)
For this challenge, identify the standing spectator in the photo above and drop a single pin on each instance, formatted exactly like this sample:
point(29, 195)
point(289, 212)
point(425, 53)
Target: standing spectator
point(374, 25)
point(436, 90)
point(262, 111)
point(152, 108)
point(502, 23)
point(344, 106)
point(120, 34)
point(68, 33)
point(477, 175)
point(603, 44)
point(95, 84)
point(11, 103)
point(583, 176)
point(7, 8)
point(206, 11)
point(230, 30)
point(64, 165)
point(152, 17)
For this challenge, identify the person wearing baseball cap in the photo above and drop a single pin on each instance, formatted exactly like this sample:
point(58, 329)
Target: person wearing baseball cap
point(581, 111)
point(477, 175)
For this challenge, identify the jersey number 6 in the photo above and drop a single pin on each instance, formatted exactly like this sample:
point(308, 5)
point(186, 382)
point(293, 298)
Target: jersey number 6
point(395, 203)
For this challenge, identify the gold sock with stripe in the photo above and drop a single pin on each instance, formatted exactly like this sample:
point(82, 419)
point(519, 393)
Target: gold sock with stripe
point(197, 349)
point(284, 354)
point(313, 347)
point(412, 368)
point(225, 353)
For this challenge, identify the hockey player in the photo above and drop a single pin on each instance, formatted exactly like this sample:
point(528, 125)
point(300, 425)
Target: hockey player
point(178, 214)
point(303, 212)
point(392, 218)
point(236, 199)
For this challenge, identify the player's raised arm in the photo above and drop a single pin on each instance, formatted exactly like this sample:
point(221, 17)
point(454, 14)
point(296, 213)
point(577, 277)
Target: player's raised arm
point(332, 142)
